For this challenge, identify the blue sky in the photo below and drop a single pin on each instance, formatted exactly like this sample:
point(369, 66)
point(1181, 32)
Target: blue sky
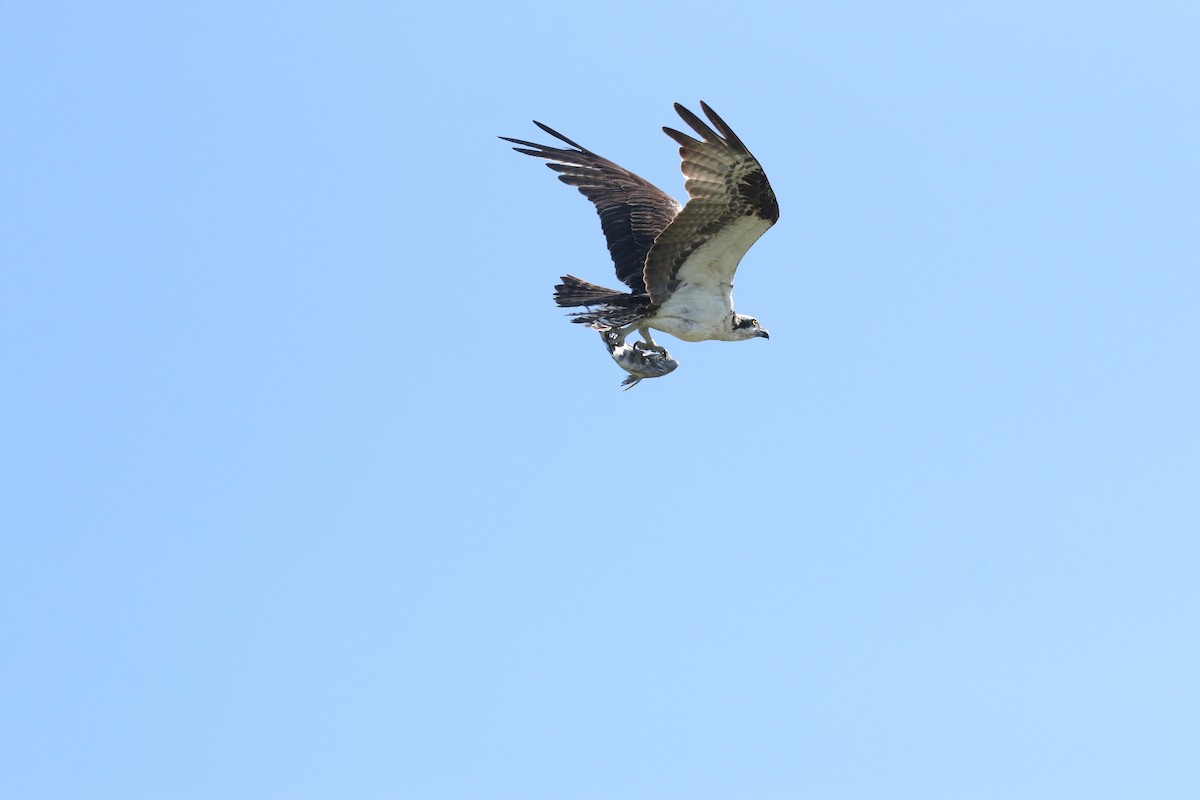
point(310, 492)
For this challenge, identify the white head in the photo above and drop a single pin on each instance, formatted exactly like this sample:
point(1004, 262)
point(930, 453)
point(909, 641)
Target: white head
point(747, 328)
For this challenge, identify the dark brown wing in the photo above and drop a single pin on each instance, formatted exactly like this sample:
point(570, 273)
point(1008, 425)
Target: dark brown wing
point(632, 211)
point(730, 205)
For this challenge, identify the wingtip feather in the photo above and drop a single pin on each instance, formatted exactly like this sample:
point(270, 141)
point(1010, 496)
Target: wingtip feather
point(562, 138)
point(681, 138)
point(722, 126)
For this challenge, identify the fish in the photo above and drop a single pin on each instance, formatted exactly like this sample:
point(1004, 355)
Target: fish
point(637, 358)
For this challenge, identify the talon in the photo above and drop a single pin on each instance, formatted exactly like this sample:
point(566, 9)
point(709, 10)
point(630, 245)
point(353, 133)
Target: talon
point(644, 332)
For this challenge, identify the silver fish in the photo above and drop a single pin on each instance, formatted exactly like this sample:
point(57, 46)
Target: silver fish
point(637, 358)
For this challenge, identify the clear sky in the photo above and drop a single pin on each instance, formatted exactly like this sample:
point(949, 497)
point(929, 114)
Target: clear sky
point(309, 491)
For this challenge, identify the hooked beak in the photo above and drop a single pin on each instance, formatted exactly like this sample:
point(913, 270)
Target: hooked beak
point(764, 334)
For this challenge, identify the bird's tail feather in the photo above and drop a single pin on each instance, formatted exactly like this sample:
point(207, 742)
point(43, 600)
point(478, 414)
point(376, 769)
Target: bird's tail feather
point(576, 292)
point(606, 307)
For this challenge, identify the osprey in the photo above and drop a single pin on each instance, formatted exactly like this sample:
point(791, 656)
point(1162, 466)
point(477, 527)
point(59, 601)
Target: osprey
point(678, 261)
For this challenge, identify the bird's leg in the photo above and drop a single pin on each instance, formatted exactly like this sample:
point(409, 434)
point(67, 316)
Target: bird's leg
point(618, 334)
point(645, 332)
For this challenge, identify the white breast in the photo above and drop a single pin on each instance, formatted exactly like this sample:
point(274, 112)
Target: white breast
point(702, 305)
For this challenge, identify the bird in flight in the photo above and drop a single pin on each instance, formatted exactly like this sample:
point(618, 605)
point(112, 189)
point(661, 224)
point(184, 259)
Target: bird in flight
point(678, 261)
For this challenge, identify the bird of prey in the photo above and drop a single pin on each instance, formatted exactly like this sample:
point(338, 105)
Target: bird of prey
point(678, 261)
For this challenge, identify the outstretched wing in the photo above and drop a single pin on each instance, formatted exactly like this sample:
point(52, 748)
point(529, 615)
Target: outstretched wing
point(730, 205)
point(632, 211)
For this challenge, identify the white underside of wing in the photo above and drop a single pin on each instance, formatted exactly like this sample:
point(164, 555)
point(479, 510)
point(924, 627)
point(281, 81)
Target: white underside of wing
point(701, 307)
